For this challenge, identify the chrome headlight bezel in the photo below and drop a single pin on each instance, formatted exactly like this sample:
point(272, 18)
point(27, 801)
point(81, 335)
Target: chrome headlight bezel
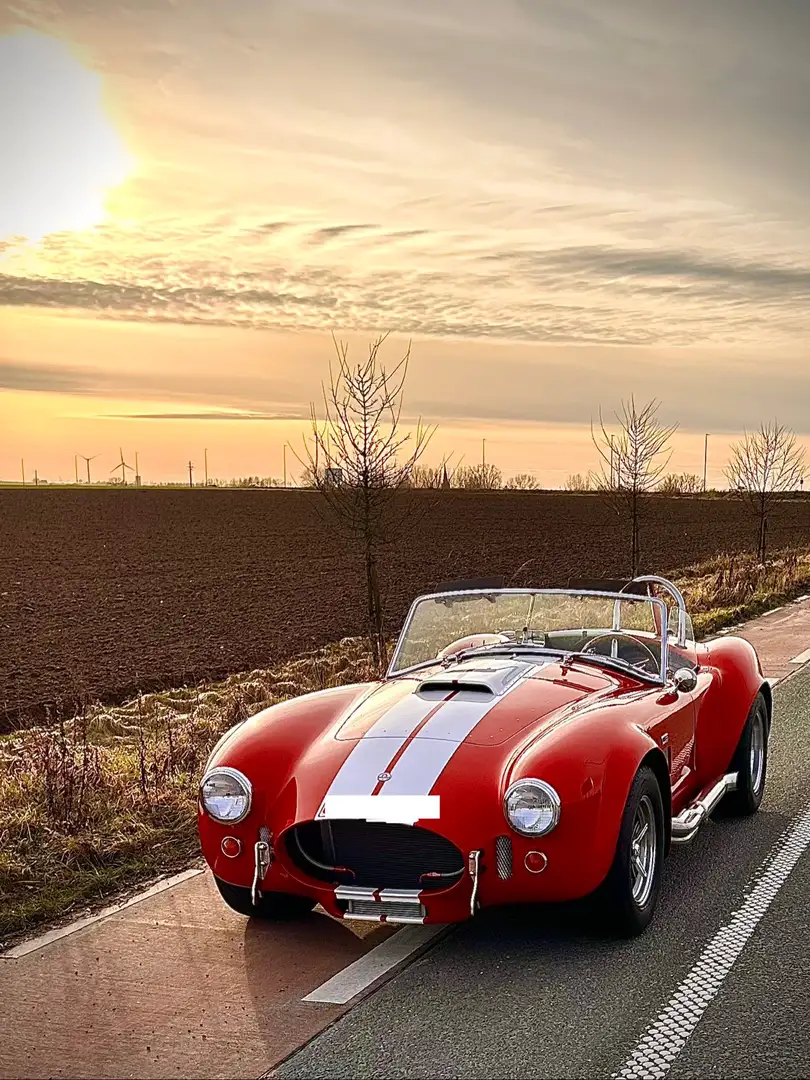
point(548, 791)
point(243, 783)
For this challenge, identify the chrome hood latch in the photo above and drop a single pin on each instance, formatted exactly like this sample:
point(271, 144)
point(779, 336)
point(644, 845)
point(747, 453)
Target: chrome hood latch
point(263, 856)
point(473, 870)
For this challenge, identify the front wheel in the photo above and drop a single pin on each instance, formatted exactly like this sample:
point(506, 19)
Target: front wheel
point(750, 762)
point(272, 905)
point(629, 894)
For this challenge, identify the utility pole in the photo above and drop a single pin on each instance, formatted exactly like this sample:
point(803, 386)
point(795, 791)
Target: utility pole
point(484, 452)
point(76, 466)
point(36, 478)
point(206, 467)
point(705, 457)
point(22, 466)
point(190, 474)
point(612, 466)
point(137, 471)
point(284, 455)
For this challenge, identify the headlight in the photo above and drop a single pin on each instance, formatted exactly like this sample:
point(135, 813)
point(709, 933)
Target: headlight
point(532, 807)
point(225, 794)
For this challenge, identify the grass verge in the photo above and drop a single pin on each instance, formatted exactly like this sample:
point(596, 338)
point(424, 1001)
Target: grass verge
point(104, 801)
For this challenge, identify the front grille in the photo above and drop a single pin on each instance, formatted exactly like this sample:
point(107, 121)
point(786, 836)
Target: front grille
point(374, 854)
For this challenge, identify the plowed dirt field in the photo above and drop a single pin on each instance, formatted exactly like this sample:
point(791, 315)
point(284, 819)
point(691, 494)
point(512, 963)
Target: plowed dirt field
point(103, 592)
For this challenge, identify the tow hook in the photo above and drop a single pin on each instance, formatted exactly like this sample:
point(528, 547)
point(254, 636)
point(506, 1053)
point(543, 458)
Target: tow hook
point(263, 856)
point(473, 870)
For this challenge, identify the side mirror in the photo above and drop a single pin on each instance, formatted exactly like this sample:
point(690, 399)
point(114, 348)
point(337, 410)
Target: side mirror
point(685, 680)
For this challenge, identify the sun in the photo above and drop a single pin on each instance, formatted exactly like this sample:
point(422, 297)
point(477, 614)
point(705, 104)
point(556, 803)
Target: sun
point(61, 154)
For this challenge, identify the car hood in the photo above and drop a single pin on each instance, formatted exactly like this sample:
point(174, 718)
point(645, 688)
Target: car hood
point(481, 702)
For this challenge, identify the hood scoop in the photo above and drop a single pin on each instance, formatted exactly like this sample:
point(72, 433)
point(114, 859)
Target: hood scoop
point(484, 678)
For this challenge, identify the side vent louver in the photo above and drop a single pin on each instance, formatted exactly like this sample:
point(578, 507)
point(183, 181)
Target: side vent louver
point(503, 857)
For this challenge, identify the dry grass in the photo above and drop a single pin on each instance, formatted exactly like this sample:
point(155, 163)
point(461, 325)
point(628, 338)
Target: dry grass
point(106, 799)
point(97, 803)
point(729, 588)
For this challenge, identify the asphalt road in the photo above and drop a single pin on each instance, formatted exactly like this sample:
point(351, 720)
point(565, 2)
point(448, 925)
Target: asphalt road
point(532, 993)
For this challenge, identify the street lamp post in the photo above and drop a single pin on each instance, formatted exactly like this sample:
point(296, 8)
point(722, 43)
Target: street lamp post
point(705, 457)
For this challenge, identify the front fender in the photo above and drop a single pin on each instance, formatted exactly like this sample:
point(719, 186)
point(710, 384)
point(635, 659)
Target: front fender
point(593, 781)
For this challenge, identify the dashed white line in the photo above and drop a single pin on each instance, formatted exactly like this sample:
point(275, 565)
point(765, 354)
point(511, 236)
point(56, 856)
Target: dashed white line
point(665, 1038)
point(802, 658)
point(40, 942)
point(355, 978)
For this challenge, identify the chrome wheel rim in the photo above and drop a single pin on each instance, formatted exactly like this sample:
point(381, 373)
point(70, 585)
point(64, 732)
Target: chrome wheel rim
point(757, 753)
point(643, 849)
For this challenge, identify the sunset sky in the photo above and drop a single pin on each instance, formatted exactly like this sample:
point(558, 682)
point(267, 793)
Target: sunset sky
point(561, 202)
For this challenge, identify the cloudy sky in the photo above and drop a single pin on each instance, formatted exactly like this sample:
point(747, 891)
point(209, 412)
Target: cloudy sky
point(561, 202)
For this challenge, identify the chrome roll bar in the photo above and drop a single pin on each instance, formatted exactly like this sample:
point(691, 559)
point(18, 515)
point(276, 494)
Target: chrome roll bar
point(677, 596)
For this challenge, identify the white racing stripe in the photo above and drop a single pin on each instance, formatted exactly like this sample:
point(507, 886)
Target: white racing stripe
point(426, 758)
point(373, 752)
point(665, 1038)
point(419, 762)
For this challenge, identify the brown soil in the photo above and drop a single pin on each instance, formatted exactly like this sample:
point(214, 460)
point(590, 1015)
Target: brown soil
point(105, 592)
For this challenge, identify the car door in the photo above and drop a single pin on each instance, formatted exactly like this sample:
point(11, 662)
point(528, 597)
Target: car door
point(676, 723)
point(672, 726)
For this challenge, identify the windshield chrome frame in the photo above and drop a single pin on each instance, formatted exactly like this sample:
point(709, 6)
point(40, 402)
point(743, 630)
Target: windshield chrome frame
point(624, 597)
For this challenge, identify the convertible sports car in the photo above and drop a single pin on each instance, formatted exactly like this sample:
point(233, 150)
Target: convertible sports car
point(525, 745)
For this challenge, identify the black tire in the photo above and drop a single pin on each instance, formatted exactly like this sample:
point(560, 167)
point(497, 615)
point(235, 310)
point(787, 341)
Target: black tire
point(273, 905)
point(750, 762)
point(626, 904)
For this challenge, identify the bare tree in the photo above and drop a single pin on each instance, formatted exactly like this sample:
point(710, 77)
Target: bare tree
point(359, 459)
point(426, 476)
point(763, 466)
point(478, 477)
point(579, 482)
point(522, 482)
point(681, 484)
point(632, 462)
point(430, 476)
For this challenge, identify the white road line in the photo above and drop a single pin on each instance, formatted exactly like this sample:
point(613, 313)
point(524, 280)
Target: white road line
point(665, 1038)
point(63, 931)
point(348, 983)
point(802, 658)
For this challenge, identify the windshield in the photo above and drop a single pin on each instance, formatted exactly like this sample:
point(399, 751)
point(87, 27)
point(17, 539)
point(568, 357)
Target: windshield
point(624, 630)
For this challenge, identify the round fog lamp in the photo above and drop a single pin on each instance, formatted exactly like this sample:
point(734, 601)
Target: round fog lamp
point(231, 847)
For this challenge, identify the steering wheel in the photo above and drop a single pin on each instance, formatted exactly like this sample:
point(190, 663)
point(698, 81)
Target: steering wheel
point(615, 634)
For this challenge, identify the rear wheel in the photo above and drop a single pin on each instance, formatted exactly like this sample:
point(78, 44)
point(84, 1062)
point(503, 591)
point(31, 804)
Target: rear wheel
point(272, 905)
point(628, 896)
point(750, 762)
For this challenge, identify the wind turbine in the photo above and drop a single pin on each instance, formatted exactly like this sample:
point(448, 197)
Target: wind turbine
point(87, 460)
point(122, 465)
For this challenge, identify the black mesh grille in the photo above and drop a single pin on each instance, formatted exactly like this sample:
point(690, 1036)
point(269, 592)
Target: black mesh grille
point(374, 854)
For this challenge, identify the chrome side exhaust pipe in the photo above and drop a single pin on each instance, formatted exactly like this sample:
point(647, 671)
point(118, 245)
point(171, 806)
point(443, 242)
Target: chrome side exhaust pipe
point(685, 825)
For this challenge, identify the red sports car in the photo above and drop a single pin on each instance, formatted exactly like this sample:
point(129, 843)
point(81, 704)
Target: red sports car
point(525, 745)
